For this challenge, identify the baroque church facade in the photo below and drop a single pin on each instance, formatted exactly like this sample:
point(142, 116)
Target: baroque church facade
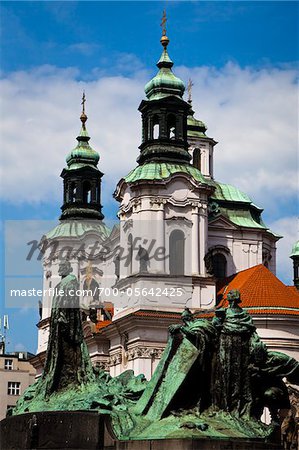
point(183, 240)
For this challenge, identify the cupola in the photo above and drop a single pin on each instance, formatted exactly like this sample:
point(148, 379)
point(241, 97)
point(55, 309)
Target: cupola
point(82, 178)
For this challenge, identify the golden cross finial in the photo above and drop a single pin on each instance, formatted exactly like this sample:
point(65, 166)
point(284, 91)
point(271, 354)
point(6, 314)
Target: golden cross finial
point(163, 23)
point(190, 84)
point(83, 102)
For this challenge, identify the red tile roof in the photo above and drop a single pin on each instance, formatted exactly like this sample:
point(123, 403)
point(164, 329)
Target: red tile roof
point(262, 292)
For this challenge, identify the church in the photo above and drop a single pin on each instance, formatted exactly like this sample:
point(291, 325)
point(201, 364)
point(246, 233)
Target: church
point(183, 239)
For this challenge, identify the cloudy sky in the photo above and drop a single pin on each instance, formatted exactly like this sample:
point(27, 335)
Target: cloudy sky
point(241, 56)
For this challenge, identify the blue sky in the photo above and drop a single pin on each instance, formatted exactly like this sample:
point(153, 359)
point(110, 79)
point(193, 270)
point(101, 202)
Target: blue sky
point(242, 56)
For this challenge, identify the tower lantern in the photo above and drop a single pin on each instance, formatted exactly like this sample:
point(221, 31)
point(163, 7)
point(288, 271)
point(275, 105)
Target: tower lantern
point(295, 257)
point(82, 178)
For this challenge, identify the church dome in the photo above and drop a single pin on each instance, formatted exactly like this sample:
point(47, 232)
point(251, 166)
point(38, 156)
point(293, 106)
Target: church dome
point(195, 127)
point(82, 154)
point(165, 83)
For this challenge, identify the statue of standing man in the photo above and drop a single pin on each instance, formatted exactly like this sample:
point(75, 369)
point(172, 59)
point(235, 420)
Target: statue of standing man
point(67, 361)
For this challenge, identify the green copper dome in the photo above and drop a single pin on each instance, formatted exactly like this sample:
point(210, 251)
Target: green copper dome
point(82, 154)
point(230, 193)
point(295, 249)
point(163, 170)
point(195, 127)
point(165, 83)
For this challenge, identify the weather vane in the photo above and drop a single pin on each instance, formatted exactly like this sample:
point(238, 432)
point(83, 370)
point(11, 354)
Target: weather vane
point(83, 102)
point(190, 84)
point(163, 23)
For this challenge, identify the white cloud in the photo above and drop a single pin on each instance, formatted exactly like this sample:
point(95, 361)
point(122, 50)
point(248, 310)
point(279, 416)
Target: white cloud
point(288, 228)
point(252, 113)
point(254, 116)
point(85, 48)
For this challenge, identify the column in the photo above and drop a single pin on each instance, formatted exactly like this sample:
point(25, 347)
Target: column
point(93, 192)
point(195, 240)
point(203, 238)
point(160, 264)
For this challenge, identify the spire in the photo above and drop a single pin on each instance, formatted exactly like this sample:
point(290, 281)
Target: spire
point(164, 41)
point(82, 178)
point(165, 83)
point(189, 88)
point(82, 154)
point(83, 116)
point(196, 128)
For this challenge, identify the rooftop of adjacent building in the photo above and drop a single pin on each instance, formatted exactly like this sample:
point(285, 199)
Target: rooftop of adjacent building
point(261, 292)
point(21, 356)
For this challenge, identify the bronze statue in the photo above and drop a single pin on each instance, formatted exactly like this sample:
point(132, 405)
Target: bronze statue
point(67, 359)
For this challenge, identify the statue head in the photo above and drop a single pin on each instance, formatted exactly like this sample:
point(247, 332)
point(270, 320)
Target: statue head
point(187, 315)
point(64, 269)
point(234, 297)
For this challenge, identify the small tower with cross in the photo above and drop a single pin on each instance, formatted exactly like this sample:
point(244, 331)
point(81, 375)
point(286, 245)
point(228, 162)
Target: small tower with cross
point(82, 178)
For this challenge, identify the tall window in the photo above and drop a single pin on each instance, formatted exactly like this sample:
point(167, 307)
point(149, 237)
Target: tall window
point(196, 158)
point(177, 253)
point(13, 388)
point(156, 127)
point(8, 364)
point(171, 123)
point(72, 192)
point(86, 192)
point(219, 264)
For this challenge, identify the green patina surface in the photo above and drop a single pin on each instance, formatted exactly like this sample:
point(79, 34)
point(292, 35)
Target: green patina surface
point(77, 229)
point(238, 207)
point(195, 127)
point(242, 218)
point(202, 361)
point(230, 193)
point(165, 83)
point(295, 249)
point(82, 155)
point(189, 425)
point(102, 394)
point(163, 170)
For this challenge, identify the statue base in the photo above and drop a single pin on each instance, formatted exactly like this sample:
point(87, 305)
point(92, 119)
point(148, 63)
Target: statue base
point(89, 430)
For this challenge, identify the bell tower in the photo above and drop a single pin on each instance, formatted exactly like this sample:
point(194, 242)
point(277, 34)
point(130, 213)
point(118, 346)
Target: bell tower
point(164, 115)
point(163, 206)
point(295, 257)
point(82, 179)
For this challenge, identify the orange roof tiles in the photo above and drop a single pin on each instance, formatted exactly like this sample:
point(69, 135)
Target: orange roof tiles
point(262, 292)
point(158, 314)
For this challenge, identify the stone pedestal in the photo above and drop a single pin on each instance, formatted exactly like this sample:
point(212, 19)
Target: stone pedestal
point(55, 430)
point(190, 444)
point(88, 430)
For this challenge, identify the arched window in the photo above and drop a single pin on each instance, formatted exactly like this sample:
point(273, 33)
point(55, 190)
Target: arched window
point(86, 192)
point(177, 253)
point(219, 265)
point(196, 158)
point(72, 192)
point(171, 126)
point(156, 127)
